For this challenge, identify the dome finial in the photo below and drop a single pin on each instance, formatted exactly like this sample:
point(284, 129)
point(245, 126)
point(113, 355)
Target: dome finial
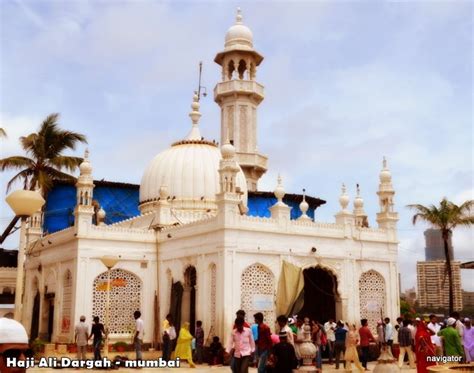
point(238, 17)
point(384, 162)
point(195, 134)
point(86, 153)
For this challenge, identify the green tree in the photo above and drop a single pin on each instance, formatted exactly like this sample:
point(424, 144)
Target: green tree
point(446, 217)
point(45, 161)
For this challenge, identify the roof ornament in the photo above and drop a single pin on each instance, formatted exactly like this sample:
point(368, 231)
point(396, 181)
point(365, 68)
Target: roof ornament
point(279, 191)
point(344, 198)
point(304, 207)
point(195, 134)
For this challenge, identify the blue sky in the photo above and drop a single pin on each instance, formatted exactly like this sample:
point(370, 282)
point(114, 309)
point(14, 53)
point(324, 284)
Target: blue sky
point(346, 83)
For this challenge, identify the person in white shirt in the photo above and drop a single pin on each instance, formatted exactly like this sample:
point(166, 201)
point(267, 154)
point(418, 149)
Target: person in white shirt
point(459, 325)
point(139, 331)
point(169, 337)
point(284, 328)
point(434, 328)
point(81, 337)
point(388, 333)
point(330, 327)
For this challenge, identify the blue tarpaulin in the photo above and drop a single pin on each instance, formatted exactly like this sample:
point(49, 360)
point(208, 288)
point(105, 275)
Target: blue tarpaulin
point(120, 202)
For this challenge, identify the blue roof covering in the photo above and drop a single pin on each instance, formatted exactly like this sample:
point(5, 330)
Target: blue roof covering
point(120, 201)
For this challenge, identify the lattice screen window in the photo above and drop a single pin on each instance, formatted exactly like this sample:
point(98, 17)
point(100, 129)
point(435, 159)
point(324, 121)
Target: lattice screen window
point(213, 287)
point(372, 298)
point(258, 280)
point(125, 299)
point(67, 303)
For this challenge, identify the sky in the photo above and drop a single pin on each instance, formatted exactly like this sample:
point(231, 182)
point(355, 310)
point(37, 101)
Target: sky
point(346, 83)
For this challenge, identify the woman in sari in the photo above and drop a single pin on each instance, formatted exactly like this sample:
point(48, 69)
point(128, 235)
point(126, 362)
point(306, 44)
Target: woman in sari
point(183, 346)
point(351, 355)
point(423, 348)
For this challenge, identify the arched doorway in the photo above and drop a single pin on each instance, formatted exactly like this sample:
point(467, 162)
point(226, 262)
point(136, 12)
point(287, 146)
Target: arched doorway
point(188, 310)
point(321, 299)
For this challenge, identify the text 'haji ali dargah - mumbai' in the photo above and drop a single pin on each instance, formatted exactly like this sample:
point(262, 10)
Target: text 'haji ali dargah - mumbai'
point(198, 240)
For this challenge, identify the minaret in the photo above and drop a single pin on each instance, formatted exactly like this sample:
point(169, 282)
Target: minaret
point(35, 230)
point(238, 95)
point(387, 218)
point(84, 192)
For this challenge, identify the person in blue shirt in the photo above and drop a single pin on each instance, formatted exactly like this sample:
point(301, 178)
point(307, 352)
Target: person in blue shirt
point(340, 343)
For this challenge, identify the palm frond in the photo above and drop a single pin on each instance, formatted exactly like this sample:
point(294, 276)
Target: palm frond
point(26, 175)
point(67, 162)
point(16, 162)
point(3, 133)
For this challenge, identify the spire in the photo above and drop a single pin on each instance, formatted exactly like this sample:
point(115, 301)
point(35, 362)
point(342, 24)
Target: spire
point(195, 134)
point(304, 208)
point(238, 17)
point(360, 215)
point(280, 210)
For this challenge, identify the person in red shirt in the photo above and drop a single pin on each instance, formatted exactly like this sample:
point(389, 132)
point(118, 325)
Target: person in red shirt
point(365, 338)
point(264, 342)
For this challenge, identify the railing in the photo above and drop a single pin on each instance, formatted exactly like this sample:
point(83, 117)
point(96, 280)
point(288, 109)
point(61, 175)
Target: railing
point(229, 86)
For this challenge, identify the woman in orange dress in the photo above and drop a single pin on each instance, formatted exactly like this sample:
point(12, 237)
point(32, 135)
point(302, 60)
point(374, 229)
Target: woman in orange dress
point(423, 348)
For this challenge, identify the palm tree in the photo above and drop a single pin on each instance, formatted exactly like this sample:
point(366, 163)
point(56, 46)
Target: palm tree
point(3, 133)
point(46, 162)
point(446, 217)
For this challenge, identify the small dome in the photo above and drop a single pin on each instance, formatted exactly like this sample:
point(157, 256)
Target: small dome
point(101, 214)
point(85, 167)
point(239, 34)
point(227, 151)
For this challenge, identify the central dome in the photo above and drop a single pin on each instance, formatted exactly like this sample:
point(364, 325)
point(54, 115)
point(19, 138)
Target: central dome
point(190, 172)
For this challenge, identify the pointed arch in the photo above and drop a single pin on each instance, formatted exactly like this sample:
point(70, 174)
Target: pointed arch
point(257, 285)
point(372, 297)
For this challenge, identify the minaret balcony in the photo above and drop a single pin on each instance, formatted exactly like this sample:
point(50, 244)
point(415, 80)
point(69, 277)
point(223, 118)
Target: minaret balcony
point(254, 160)
point(239, 87)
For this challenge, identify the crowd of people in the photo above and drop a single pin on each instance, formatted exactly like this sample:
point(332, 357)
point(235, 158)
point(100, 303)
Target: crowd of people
point(424, 342)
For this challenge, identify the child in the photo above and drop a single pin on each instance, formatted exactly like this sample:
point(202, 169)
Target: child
point(217, 352)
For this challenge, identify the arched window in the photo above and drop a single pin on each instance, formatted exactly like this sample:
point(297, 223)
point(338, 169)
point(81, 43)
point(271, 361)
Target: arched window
point(125, 299)
point(372, 297)
point(258, 292)
point(230, 70)
point(242, 69)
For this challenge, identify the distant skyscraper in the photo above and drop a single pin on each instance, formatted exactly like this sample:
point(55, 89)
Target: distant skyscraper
point(433, 284)
point(434, 246)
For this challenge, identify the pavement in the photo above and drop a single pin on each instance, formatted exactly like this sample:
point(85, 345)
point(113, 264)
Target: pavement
point(201, 368)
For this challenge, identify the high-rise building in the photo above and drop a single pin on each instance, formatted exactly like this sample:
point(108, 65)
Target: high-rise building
point(434, 249)
point(433, 284)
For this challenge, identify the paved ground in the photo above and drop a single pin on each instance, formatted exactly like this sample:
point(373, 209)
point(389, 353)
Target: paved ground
point(200, 368)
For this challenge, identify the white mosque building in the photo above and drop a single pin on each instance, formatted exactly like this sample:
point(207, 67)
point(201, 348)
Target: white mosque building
point(196, 251)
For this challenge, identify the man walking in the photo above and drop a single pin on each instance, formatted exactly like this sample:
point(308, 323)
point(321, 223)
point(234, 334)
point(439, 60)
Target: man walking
point(199, 336)
point(339, 342)
point(405, 341)
point(264, 342)
point(81, 337)
point(365, 338)
point(139, 331)
point(434, 328)
point(330, 326)
point(242, 343)
point(97, 331)
point(452, 340)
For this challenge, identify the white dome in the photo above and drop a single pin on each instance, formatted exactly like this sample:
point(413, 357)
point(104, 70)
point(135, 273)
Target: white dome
point(239, 34)
point(190, 172)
